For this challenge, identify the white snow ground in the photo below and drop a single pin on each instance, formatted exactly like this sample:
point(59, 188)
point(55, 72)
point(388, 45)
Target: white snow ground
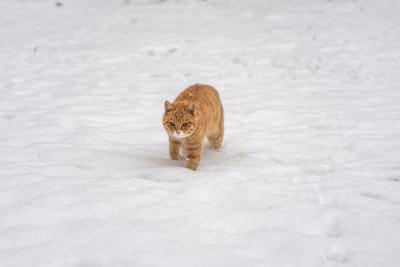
point(309, 171)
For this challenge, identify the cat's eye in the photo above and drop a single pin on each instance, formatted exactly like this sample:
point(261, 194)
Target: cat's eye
point(185, 124)
point(172, 123)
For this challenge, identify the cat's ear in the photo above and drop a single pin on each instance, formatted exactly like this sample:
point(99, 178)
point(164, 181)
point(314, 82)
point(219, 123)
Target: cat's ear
point(190, 109)
point(168, 106)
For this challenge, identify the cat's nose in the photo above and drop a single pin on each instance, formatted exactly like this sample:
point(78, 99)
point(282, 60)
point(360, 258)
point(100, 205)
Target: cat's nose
point(178, 132)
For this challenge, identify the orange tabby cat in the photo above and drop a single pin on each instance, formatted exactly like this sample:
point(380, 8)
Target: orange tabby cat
point(195, 114)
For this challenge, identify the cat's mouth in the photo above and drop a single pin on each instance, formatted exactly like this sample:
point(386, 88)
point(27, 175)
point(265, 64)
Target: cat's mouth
point(179, 134)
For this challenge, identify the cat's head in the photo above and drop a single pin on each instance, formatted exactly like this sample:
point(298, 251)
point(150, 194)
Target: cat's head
point(179, 119)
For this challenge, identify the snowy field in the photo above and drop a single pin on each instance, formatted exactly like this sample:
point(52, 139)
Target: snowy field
point(309, 172)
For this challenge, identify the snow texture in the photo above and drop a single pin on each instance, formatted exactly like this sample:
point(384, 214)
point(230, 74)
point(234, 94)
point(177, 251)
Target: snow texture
point(309, 172)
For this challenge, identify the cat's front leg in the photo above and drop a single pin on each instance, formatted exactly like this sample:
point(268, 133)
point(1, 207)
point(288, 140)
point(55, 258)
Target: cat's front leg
point(193, 153)
point(174, 147)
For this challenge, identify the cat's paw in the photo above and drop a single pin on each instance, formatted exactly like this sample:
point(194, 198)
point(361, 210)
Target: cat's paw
point(191, 168)
point(191, 165)
point(175, 157)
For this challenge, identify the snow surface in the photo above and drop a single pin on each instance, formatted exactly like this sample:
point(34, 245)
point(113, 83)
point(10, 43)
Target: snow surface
point(309, 172)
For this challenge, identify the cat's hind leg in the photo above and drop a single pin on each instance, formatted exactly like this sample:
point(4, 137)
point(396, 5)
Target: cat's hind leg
point(217, 136)
point(174, 149)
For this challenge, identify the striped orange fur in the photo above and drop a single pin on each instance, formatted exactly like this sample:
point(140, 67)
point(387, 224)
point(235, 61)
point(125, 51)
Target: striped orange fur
point(195, 114)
